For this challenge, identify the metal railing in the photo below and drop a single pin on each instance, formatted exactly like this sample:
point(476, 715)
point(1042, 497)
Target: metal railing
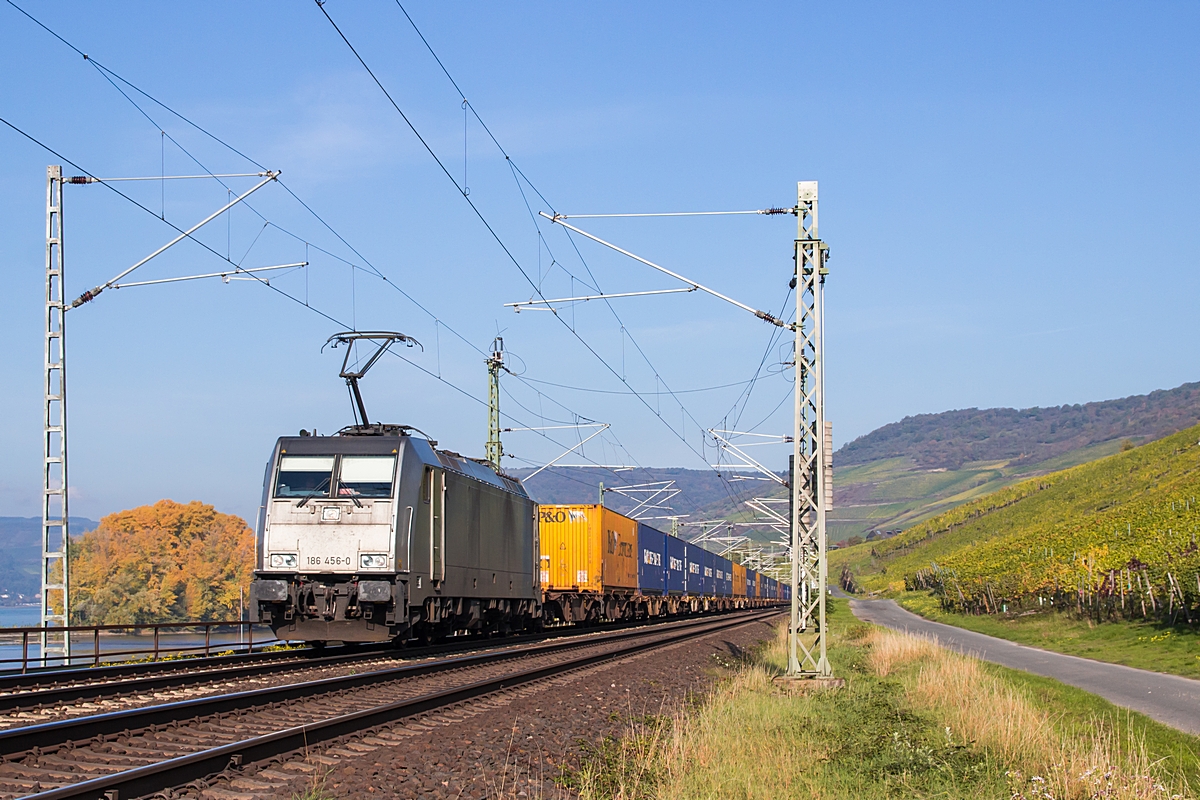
point(152, 641)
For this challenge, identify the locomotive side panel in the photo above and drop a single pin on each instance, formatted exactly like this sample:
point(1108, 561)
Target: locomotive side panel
point(489, 541)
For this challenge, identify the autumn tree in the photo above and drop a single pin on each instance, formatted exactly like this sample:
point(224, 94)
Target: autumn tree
point(168, 562)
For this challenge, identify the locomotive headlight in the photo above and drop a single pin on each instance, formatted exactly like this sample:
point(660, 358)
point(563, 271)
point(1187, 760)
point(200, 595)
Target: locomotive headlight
point(372, 561)
point(284, 560)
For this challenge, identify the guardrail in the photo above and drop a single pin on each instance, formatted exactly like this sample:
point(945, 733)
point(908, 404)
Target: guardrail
point(96, 644)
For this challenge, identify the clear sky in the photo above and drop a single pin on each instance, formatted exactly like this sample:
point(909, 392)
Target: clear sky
point(1009, 192)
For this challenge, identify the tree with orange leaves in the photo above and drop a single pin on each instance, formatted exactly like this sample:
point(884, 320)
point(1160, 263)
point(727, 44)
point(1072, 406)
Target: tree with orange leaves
point(168, 562)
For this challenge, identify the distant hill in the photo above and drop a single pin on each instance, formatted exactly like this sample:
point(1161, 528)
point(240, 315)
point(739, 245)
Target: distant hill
point(21, 542)
point(1024, 436)
point(906, 472)
point(702, 493)
point(1064, 535)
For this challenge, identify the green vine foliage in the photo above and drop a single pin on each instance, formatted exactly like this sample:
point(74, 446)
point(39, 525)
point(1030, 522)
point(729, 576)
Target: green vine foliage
point(1118, 533)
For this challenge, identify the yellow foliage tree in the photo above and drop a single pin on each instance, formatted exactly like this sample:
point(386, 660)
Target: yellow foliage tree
point(168, 562)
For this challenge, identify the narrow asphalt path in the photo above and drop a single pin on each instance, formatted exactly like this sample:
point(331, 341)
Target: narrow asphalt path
point(1170, 699)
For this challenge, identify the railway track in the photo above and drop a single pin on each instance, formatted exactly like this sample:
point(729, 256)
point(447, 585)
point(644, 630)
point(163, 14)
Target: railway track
point(140, 751)
point(32, 699)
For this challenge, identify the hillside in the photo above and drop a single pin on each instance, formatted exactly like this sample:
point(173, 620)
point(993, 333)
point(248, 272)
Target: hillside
point(21, 542)
point(953, 439)
point(1124, 526)
point(907, 472)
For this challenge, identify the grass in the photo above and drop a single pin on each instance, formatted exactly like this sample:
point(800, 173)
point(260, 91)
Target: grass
point(1144, 645)
point(914, 721)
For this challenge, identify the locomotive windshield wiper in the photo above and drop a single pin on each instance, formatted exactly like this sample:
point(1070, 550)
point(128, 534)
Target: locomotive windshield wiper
point(316, 491)
point(337, 492)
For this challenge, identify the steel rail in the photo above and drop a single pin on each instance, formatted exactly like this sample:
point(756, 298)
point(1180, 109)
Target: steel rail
point(46, 735)
point(180, 770)
point(18, 692)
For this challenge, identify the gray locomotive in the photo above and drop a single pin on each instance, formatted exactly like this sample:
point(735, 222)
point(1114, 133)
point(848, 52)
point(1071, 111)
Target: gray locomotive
point(374, 534)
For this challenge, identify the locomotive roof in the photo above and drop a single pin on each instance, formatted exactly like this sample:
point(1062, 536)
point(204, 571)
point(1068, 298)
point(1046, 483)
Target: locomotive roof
point(381, 445)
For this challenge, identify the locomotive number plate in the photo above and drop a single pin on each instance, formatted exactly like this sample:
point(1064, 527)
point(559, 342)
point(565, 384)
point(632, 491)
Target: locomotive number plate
point(331, 561)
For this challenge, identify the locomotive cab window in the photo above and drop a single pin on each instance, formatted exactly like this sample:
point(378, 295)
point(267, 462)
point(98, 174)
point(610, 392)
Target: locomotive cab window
point(301, 476)
point(366, 476)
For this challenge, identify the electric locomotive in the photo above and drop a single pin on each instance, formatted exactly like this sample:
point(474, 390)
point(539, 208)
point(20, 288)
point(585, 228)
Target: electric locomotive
point(375, 534)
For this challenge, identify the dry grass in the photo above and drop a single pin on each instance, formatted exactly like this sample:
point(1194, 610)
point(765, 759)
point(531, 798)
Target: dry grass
point(1047, 763)
point(915, 721)
point(890, 650)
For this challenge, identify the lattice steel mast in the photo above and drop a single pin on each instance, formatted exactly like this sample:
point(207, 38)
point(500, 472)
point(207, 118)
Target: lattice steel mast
point(494, 448)
point(811, 483)
point(56, 611)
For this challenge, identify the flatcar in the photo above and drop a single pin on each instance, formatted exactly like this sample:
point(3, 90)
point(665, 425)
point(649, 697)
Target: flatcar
point(375, 534)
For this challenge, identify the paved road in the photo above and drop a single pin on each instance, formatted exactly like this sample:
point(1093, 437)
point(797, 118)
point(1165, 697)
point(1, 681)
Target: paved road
point(1169, 699)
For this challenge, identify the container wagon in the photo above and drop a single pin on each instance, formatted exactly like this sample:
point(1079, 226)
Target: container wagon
point(589, 558)
point(652, 599)
point(739, 586)
point(677, 583)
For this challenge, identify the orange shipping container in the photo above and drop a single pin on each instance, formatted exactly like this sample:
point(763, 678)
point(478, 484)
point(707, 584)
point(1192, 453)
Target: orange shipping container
point(761, 587)
point(587, 548)
point(739, 580)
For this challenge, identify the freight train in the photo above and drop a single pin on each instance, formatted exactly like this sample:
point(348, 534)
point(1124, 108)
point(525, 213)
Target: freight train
point(375, 534)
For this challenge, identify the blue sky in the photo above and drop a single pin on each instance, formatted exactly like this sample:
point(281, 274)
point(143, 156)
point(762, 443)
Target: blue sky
point(1008, 191)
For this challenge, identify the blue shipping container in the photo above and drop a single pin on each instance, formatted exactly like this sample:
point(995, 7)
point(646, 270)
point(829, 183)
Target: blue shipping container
point(724, 577)
point(676, 566)
point(751, 583)
point(652, 560)
point(709, 561)
point(695, 570)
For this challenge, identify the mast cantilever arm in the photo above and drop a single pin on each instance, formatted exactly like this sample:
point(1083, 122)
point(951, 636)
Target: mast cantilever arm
point(763, 315)
point(87, 297)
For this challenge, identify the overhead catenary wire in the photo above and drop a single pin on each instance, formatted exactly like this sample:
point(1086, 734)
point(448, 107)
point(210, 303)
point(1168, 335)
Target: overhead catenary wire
point(483, 219)
point(761, 212)
point(114, 79)
point(541, 239)
point(537, 285)
point(313, 309)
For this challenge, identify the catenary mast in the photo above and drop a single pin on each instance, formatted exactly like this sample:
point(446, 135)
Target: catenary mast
point(55, 604)
point(495, 363)
point(810, 484)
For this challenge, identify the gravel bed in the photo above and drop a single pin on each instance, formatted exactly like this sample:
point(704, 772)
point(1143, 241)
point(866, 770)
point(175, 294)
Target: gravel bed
point(513, 744)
